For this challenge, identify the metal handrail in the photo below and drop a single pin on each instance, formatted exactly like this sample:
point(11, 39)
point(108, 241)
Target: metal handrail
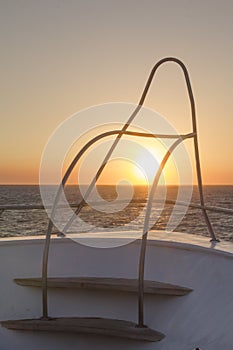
point(83, 201)
point(155, 183)
point(145, 233)
point(107, 157)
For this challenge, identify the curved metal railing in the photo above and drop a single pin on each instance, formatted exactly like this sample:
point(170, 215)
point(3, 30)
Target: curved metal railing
point(83, 201)
point(119, 134)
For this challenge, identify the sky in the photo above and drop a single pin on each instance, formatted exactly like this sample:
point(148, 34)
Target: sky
point(59, 57)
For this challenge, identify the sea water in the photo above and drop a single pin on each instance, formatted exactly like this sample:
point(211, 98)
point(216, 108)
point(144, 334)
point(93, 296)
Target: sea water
point(35, 221)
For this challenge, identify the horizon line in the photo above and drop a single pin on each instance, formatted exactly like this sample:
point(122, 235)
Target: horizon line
point(109, 184)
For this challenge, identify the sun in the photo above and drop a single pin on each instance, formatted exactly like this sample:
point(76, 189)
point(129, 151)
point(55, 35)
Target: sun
point(147, 163)
point(139, 176)
point(144, 171)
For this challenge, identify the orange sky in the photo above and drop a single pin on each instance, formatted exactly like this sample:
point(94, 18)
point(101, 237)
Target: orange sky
point(59, 57)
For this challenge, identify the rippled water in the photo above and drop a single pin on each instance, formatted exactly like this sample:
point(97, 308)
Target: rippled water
point(34, 222)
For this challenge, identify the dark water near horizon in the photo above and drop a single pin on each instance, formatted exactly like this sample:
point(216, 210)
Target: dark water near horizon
point(35, 221)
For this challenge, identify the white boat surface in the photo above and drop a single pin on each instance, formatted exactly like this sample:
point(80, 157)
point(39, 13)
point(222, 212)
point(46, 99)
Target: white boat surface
point(201, 319)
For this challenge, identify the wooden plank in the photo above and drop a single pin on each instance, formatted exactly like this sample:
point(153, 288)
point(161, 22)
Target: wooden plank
point(87, 325)
point(108, 284)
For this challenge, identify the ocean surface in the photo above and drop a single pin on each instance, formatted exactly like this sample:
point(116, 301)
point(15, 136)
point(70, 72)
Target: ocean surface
point(35, 221)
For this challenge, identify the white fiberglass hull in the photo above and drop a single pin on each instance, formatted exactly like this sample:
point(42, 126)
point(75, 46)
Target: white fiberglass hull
point(202, 319)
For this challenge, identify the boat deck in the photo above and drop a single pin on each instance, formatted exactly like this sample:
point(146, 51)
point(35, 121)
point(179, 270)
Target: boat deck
point(159, 238)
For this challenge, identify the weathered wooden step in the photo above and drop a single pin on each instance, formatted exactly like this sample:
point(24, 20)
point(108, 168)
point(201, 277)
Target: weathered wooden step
point(109, 284)
point(87, 325)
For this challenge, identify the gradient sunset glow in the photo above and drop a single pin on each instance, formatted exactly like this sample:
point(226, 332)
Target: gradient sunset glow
point(59, 57)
